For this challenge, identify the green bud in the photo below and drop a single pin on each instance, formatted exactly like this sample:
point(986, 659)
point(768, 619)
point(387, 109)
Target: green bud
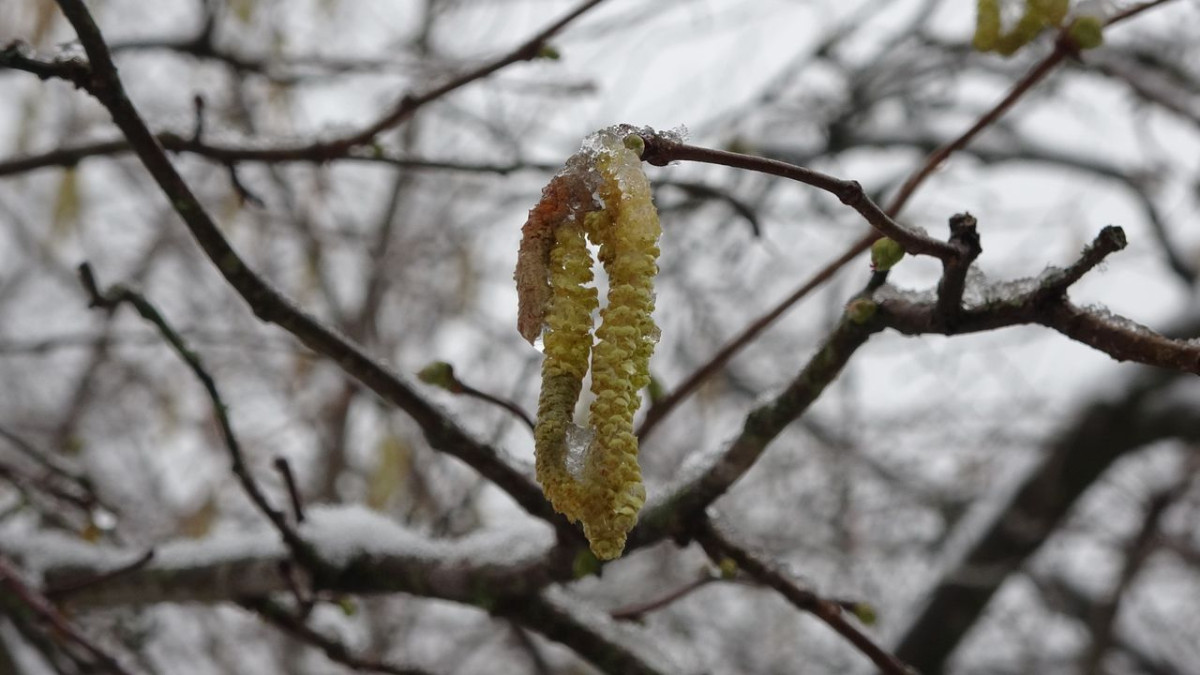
point(635, 143)
point(549, 53)
point(885, 253)
point(585, 564)
point(728, 567)
point(1087, 32)
point(655, 390)
point(865, 613)
point(439, 374)
point(860, 310)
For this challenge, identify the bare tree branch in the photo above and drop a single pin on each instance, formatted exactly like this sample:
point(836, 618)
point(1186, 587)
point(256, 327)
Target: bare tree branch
point(11, 584)
point(279, 616)
point(1143, 412)
point(267, 302)
point(829, 612)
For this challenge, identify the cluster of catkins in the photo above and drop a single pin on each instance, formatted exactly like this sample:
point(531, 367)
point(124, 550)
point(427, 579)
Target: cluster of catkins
point(591, 474)
point(1084, 27)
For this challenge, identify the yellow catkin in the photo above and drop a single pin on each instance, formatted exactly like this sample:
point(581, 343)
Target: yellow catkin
point(603, 194)
point(987, 25)
point(1036, 16)
point(627, 233)
point(1054, 11)
point(567, 343)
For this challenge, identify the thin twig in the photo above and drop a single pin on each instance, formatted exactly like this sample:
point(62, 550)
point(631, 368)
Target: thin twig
point(267, 302)
point(232, 154)
point(636, 611)
point(526, 51)
point(16, 56)
point(1063, 48)
point(513, 408)
point(1111, 239)
point(289, 480)
point(718, 546)
point(42, 459)
point(117, 295)
point(281, 618)
point(673, 513)
point(60, 591)
point(10, 581)
point(662, 150)
point(1137, 554)
point(298, 586)
point(590, 634)
point(441, 374)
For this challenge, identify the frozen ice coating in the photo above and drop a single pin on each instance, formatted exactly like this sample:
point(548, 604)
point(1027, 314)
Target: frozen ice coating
point(579, 439)
point(601, 197)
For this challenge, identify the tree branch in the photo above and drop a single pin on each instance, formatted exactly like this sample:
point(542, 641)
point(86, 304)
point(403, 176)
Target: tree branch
point(1045, 303)
point(829, 612)
point(662, 150)
point(1115, 424)
point(674, 513)
point(15, 56)
point(267, 303)
point(1063, 48)
point(279, 616)
point(609, 646)
point(526, 51)
point(233, 154)
point(113, 298)
point(363, 552)
point(11, 584)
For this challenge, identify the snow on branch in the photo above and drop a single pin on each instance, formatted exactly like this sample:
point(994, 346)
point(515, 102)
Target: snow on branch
point(365, 552)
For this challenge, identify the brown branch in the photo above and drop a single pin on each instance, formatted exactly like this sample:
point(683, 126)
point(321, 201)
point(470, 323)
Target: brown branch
point(1104, 616)
point(637, 611)
point(113, 298)
point(441, 374)
point(289, 481)
point(10, 582)
point(965, 239)
point(232, 154)
point(591, 635)
point(1063, 48)
point(1118, 422)
point(320, 151)
point(16, 57)
point(1046, 304)
point(718, 546)
point(668, 403)
point(59, 591)
point(674, 513)
point(526, 51)
point(278, 616)
point(662, 150)
point(268, 303)
point(1133, 11)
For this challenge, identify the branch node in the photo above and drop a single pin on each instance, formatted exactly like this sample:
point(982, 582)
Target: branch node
point(289, 480)
point(964, 241)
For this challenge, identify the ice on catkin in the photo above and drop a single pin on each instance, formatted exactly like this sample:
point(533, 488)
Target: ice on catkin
point(601, 196)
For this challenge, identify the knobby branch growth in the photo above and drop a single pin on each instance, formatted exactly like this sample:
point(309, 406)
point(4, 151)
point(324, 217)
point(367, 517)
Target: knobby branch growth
point(1064, 47)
